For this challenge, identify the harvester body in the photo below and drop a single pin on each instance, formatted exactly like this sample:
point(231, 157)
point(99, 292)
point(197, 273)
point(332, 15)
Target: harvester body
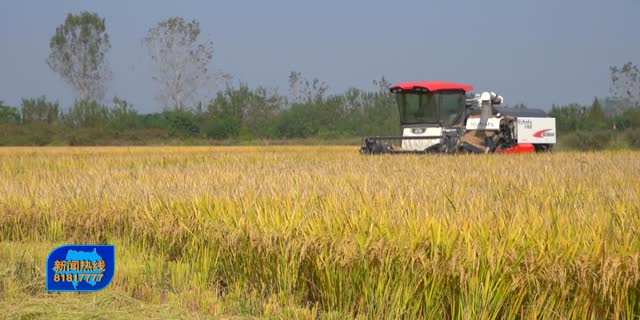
point(440, 117)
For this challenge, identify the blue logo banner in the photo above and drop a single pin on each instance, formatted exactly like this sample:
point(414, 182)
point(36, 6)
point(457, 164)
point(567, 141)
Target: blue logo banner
point(81, 268)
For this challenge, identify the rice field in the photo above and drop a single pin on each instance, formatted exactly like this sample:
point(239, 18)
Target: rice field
point(325, 233)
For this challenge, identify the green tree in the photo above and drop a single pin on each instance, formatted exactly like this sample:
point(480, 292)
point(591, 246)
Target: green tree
point(87, 114)
point(261, 111)
point(296, 122)
point(569, 118)
point(225, 113)
point(39, 110)
point(122, 115)
point(181, 59)
point(596, 112)
point(381, 115)
point(630, 119)
point(182, 123)
point(354, 103)
point(8, 115)
point(595, 118)
point(78, 54)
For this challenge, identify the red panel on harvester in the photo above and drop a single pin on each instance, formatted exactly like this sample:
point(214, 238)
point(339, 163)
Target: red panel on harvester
point(432, 86)
point(519, 148)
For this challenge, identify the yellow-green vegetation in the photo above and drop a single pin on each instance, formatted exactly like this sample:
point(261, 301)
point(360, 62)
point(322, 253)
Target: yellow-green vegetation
point(323, 232)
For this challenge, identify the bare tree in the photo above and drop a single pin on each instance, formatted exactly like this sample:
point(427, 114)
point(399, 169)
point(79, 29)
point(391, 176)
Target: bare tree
point(181, 59)
point(625, 84)
point(78, 55)
point(301, 90)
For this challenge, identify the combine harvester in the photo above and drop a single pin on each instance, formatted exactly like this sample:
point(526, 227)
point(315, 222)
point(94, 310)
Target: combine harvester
point(439, 117)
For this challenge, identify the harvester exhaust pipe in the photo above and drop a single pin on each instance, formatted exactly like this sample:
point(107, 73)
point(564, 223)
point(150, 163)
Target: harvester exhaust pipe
point(486, 110)
point(487, 100)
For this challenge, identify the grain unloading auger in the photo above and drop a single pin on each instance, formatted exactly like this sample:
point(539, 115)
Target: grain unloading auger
point(439, 117)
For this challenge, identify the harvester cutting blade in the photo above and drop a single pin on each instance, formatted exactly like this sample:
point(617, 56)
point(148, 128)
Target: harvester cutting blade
point(385, 145)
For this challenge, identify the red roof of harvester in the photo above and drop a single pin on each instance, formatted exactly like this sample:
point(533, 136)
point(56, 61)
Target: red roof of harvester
point(432, 86)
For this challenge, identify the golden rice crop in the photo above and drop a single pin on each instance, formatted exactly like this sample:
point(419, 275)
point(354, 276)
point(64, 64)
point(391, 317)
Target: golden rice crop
point(323, 232)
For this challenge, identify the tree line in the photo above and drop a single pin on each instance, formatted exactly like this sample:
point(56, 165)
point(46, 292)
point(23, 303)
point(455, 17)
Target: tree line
point(236, 114)
point(181, 56)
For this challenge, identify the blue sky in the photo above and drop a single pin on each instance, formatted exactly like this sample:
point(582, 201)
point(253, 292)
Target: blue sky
point(533, 52)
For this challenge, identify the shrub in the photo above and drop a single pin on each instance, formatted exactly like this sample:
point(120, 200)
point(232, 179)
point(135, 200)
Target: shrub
point(582, 140)
point(632, 137)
